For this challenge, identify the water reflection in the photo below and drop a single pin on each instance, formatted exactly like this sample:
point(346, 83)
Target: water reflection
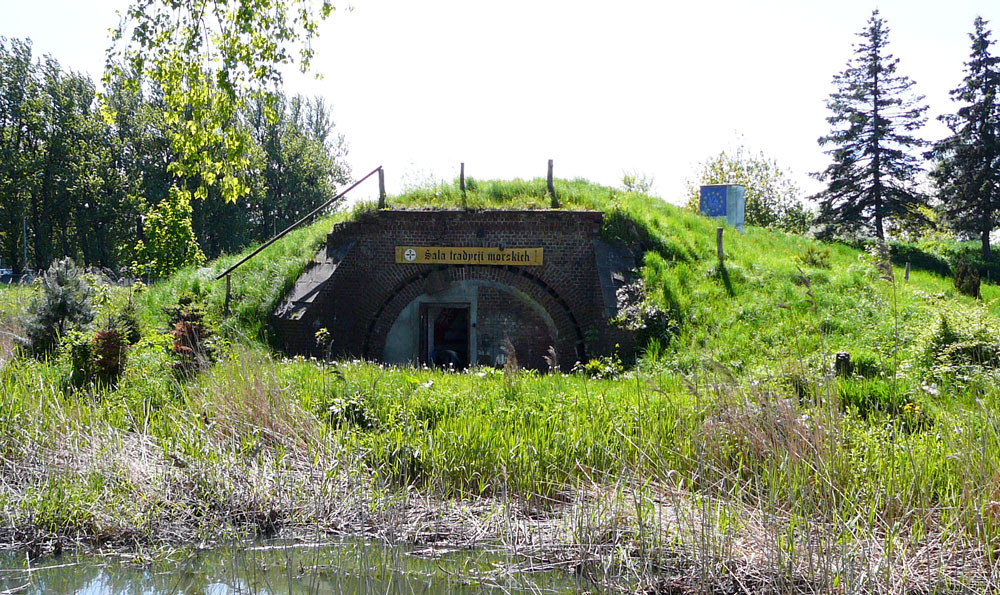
point(285, 567)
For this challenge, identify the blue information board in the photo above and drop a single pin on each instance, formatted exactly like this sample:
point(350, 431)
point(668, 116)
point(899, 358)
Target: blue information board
point(713, 201)
point(725, 201)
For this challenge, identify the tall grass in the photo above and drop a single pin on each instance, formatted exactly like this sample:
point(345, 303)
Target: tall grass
point(13, 302)
point(730, 455)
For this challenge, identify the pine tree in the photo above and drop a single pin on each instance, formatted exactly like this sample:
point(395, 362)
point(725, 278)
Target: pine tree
point(874, 116)
point(62, 304)
point(967, 172)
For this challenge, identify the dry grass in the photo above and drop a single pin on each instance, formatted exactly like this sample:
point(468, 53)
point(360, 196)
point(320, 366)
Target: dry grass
point(751, 493)
point(624, 532)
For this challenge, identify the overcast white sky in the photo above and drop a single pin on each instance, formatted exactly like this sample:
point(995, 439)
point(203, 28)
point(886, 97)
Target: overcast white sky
point(600, 87)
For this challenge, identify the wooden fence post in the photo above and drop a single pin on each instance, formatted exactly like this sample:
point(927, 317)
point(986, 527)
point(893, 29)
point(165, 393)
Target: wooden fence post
point(552, 188)
point(225, 307)
point(718, 242)
point(906, 275)
point(381, 188)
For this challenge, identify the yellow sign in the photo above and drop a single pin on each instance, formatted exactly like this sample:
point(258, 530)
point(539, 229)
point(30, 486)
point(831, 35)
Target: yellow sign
point(468, 255)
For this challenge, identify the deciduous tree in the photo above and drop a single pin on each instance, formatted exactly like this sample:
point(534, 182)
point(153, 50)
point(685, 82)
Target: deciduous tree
point(772, 198)
point(210, 57)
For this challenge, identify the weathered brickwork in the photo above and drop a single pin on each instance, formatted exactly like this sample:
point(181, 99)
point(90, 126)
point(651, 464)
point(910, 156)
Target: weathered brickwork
point(505, 316)
point(558, 304)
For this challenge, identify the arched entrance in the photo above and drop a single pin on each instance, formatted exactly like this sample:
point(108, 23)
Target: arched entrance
point(465, 315)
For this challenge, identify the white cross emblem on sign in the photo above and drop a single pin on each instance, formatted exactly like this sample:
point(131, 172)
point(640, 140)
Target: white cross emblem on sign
point(410, 255)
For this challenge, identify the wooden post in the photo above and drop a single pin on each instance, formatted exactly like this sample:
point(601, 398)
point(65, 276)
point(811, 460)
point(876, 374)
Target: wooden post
point(718, 242)
point(906, 275)
point(229, 288)
point(842, 364)
point(461, 183)
point(381, 188)
point(552, 188)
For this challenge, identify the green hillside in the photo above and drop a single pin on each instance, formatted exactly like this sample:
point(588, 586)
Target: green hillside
point(729, 444)
point(776, 311)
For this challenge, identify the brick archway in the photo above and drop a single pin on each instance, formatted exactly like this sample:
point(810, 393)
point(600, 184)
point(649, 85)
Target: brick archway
point(569, 346)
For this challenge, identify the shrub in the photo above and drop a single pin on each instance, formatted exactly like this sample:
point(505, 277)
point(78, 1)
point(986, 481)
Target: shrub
point(76, 347)
point(63, 304)
point(193, 336)
point(961, 345)
point(109, 350)
point(351, 411)
point(966, 278)
point(170, 243)
point(601, 367)
point(99, 358)
point(815, 257)
point(127, 322)
point(640, 314)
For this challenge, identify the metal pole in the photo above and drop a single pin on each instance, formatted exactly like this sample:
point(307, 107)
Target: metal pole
point(24, 241)
point(296, 224)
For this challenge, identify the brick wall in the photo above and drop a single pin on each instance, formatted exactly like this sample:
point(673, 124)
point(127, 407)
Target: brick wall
point(362, 299)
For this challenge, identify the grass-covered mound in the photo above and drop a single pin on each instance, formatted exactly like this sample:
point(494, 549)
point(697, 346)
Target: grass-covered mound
point(729, 449)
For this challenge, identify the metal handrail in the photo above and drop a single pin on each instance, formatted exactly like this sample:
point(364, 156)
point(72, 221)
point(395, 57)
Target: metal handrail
point(296, 224)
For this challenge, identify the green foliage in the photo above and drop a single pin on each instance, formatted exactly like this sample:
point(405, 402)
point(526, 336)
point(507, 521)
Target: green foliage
point(80, 180)
point(169, 242)
point(815, 256)
point(966, 278)
point(53, 146)
point(210, 59)
point(640, 313)
point(961, 345)
point(634, 181)
point(604, 367)
point(874, 114)
point(61, 305)
point(772, 198)
point(126, 321)
point(78, 350)
point(967, 170)
point(194, 336)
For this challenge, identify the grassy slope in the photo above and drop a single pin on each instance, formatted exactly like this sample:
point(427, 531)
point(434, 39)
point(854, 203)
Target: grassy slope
point(770, 310)
point(678, 420)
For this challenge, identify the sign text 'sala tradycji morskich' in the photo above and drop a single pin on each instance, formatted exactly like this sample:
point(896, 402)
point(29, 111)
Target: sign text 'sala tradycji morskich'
point(468, 255)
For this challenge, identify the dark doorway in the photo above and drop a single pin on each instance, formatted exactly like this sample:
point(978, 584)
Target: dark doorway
point(445, 335)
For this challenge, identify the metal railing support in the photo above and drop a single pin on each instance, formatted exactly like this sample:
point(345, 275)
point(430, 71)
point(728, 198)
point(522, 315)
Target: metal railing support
point(296, 224)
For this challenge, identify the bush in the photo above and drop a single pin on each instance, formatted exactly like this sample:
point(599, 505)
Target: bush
point(170, 243)
point(77, 349)
point(640, 314)
point(193, 335)
point(99, 358)
point(962, 345)
point(818, 258)
point(966, 278)
point(63, 304)
point(601, 367)
point(127, 322)
point(109, 350)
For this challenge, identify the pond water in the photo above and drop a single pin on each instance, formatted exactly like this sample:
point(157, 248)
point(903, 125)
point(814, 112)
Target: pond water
point(348, 566)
